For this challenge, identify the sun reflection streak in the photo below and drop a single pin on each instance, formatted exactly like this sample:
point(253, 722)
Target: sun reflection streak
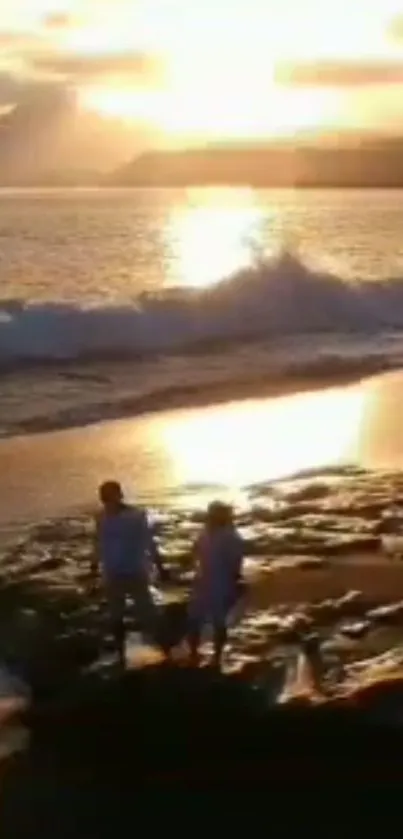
point(242, 443)
point(210, 241)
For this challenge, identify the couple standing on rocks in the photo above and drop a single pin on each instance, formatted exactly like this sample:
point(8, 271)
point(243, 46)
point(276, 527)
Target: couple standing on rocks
point(126, 550)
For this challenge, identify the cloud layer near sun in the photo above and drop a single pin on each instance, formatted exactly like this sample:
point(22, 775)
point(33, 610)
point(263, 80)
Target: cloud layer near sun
point(222, 69)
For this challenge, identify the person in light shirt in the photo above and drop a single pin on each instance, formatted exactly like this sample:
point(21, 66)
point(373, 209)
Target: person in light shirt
point(125, 551)
point(218, 583)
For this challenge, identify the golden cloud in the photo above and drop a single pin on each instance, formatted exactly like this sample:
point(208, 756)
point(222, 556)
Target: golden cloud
point(340, 74)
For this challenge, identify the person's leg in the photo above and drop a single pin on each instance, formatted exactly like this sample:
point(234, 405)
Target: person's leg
point(219, 640)
point(116, 597)
point(194, 637)
point(146, 611)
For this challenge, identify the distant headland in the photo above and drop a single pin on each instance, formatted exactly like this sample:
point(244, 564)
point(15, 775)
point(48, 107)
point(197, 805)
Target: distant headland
point(376, 163)
point(336, 162)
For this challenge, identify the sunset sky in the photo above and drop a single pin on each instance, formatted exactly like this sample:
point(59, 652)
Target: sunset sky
point(219, 69)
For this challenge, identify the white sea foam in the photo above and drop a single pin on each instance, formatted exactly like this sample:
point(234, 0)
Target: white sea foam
point(269, 299)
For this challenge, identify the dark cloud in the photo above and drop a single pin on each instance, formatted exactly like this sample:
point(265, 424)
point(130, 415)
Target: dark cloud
point(341, 74)
point(82, 67)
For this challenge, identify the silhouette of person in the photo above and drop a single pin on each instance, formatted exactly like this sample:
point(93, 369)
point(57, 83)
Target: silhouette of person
point(218, 581)
point(125, 549)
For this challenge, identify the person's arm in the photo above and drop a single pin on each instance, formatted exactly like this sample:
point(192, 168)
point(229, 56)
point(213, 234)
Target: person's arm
point(196, 560)
point(153, 550)
point(238, 552)
point(94, 556)
point(239, 560)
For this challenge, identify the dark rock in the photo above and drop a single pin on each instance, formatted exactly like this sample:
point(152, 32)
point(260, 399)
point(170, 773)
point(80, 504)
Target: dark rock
point(292, 511)
point(370, 510)
point(293, 628)
point(390, 525)
point(58, 531)
point(351, 603)
point(390, 614)
point(383, 699)
point(50, 564)
point(312, 563)
point(351, 543)
point(323, 612)
point(356, 630)
point(200, 734)
point(309, 492)
point(267, 677)
point(59, 663)
point(311, 643)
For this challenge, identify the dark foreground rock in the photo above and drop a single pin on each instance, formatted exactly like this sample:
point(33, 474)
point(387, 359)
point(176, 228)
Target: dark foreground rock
point(143, 747)
point(114, 756)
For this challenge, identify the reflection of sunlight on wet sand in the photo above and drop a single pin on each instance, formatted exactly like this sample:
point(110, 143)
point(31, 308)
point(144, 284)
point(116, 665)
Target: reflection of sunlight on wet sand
point(180, 456)
point(247, 442)
point(381, 440)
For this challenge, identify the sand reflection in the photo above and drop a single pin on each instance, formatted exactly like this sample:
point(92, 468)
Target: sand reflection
point(380, 445)
point(242, 443)
point(200, 452)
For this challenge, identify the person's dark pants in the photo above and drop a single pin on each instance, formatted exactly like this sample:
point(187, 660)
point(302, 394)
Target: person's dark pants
point(216, 614)
point(117, 590)
point(220, 634)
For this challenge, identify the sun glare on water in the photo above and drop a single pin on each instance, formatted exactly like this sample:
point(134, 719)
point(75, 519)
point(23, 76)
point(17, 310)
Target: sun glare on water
point(210, 240)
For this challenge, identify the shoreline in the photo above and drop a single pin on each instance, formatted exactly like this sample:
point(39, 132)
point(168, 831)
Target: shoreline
point(157, 455)
point(200, 395)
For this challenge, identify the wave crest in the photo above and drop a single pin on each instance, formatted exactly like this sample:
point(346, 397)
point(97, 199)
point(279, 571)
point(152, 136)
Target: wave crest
point(268, 299)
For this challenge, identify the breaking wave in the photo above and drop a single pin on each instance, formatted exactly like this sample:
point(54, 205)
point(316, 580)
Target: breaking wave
point(268, 300)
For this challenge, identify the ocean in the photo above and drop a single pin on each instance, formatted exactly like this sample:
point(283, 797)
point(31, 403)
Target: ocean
point(117, 302)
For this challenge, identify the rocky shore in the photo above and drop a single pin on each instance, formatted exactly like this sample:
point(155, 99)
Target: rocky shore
point(317, 655)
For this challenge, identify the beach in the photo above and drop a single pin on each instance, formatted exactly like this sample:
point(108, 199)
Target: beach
point(316, 487)
point(201, 401)
point(312, 677)
point(172, 455)
point(275, 384)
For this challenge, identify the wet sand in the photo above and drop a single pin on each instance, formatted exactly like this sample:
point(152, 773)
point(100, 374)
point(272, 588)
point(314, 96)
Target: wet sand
point(323, 618)
point(312, 537)
point(189, 455)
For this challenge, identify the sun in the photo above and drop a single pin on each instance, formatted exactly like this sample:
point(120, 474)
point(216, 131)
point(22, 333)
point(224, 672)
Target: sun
point(219, 109)
point(124, 103)
point(219, 83)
